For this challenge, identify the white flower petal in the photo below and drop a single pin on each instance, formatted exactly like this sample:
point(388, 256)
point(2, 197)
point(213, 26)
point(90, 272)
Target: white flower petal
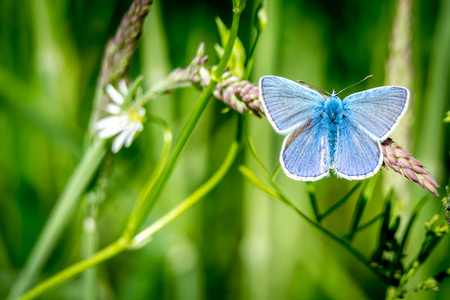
point(123, 87)
point(130, 137)
point(139, 126)
point(106, 133)
point(114, 94)
point(113, 109)
point(118, 141)
point(110, 126)
point(106, 122)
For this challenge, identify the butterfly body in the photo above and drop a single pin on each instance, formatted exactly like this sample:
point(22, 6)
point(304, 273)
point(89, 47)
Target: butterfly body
point(330, 133)
point(333, 115)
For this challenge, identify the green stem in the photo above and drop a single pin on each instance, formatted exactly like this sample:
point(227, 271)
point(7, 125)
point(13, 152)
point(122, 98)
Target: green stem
point(137, 219)
point(59, 217)
point(249, 66)
point(105, 254)
point(145, 236)
point(89, 247)
point(158, 168)
point(252, 149)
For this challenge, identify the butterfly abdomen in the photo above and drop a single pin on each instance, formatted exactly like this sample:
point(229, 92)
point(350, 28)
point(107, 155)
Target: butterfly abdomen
point(332, 138)
point(332, 115)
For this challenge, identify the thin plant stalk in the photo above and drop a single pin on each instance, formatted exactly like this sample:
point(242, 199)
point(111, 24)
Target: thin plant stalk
point(89, 248)
point(144, 236)
point(137, 218)
point(59, 216)
point(68, 273)
point(159, 166)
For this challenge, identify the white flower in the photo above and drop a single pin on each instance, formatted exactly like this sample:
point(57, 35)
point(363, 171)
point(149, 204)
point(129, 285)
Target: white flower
point(122, 123)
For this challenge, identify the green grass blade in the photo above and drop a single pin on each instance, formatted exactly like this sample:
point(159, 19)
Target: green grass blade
point(313, 200)
point(367, 224)
point(364, 197)
point(341, 201)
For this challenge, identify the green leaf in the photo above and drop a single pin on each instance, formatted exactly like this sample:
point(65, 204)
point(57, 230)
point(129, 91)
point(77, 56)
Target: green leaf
point(236, 64)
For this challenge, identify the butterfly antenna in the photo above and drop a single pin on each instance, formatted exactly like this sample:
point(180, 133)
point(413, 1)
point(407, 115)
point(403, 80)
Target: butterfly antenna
point(316, 87)
point(367, 77)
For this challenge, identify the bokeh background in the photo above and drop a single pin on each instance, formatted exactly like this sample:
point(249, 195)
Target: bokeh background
point(237, 243)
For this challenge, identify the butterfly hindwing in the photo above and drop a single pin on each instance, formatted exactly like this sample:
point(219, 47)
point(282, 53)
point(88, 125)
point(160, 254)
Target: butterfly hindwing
point(287, 104)
point(305, 152)
point(377, 110)
point(357, 156)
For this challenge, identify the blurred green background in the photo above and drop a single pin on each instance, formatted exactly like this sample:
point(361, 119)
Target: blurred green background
point(237, 243)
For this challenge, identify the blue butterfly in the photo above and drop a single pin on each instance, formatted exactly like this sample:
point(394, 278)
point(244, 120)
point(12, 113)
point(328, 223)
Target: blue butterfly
point(330, 133)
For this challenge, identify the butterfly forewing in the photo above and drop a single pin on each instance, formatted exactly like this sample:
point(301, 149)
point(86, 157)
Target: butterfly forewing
point(305, 151)
point(287, 104)
point(376, 110)
point(357, 156)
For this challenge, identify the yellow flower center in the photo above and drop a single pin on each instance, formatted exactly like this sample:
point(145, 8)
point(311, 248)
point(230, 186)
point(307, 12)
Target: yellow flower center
point(134, 115)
